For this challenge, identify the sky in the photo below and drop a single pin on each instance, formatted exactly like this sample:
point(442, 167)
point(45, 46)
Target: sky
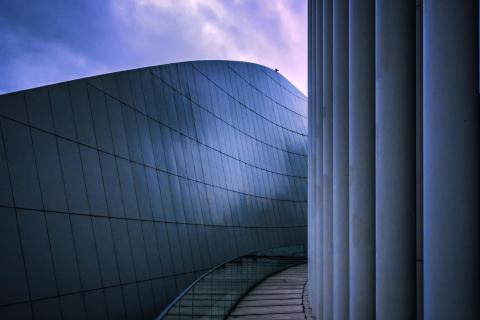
point(48, 41)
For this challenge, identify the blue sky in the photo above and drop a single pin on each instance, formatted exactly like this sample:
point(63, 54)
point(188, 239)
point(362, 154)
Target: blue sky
point(48, 41)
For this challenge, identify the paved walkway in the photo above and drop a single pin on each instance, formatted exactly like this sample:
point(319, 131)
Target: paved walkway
point(280, 296)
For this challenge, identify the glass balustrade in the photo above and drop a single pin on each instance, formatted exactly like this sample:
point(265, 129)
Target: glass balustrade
point(215, 293)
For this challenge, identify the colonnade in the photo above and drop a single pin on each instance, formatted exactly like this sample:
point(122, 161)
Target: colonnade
point(394, 157)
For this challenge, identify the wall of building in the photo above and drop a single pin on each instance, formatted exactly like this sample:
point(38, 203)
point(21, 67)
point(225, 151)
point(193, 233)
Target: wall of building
point(117, 191)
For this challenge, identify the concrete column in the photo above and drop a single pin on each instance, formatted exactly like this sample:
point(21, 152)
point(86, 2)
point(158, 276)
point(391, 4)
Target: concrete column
point(319, 158)
point(340, 159)
point(395, 159)
point(316, 156)
point(362, 159)
point(419, 158)
point(327, 161)
point(311, 151)
point(312, 112)
point(451, 160)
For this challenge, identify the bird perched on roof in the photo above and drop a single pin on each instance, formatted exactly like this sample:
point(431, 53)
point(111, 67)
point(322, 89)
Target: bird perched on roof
point(276, 70)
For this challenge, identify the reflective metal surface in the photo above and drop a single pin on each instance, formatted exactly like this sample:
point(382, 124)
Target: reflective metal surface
point(118, 191)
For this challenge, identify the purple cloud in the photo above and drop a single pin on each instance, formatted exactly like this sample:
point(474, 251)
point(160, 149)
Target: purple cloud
point(56, 40)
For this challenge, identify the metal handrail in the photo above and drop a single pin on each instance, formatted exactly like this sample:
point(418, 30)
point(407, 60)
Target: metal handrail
point(187, 289)
point(256, 284)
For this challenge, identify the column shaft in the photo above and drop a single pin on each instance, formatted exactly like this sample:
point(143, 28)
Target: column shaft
point(419, 157)
point(316, 156)
point(451, 160)
point(319, 159)
point(340, 160)
point(311, 152)
point(395, 159)
point(362, 159)
point(327, 162)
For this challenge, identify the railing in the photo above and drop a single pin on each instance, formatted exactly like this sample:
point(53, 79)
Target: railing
point(215, 293)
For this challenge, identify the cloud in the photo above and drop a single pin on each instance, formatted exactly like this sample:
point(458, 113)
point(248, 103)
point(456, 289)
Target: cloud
point(53, 40)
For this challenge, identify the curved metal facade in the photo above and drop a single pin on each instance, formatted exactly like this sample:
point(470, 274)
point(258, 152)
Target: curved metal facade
point(117, 191)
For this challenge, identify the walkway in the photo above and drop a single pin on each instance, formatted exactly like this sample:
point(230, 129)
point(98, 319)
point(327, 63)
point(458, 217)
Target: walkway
point(280, 296)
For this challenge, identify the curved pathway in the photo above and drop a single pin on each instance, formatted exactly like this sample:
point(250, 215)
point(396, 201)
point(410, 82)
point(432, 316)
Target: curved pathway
point(280, 296)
